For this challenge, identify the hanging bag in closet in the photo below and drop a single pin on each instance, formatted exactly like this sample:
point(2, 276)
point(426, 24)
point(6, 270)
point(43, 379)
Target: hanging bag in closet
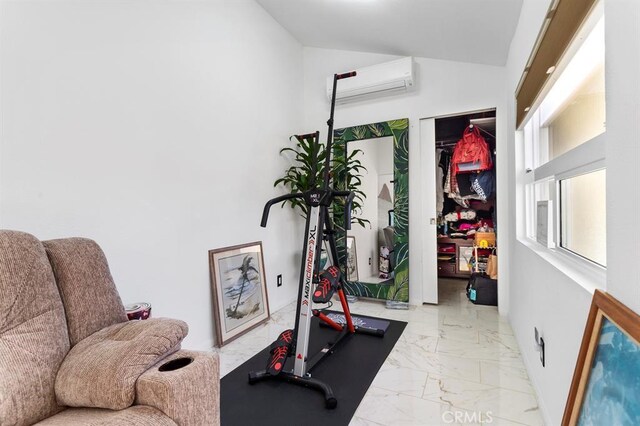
point(492, 265)
point(471, 153)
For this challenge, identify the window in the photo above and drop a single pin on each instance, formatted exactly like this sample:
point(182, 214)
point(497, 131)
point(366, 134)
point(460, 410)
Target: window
point(564, 150)
point(573, 111)
point(583, 213)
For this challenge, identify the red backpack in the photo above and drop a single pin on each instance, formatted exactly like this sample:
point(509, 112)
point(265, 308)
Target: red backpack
point(471, 153)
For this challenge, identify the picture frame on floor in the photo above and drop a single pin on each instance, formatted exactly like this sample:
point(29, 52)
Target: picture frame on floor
point(238, 285)
point(605, 388)
point(465, 254)
point(352, 259)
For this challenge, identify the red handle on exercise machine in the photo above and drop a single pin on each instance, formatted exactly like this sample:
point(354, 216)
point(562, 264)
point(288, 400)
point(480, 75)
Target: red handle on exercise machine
point(346, 75)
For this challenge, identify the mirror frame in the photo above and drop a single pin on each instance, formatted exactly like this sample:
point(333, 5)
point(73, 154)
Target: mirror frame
point(399, 130)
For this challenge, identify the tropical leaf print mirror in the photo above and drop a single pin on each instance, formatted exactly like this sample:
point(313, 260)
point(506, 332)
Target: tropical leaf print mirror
point(382, 152)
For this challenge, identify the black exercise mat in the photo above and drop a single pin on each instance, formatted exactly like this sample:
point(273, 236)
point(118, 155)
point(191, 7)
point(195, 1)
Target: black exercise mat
point(359, 321)
point(349, 371)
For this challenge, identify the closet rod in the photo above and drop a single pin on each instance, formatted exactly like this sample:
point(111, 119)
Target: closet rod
point(452, 142)
point(471, 125)
point(485, 131)
point(446, 143)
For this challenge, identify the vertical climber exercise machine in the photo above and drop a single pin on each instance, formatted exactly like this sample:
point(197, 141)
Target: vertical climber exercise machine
point(319, 228)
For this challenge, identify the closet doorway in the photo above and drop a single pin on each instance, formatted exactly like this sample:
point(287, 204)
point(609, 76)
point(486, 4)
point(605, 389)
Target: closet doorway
point(459, 201)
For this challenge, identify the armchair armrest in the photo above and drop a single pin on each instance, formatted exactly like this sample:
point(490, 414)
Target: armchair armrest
point(185, 386)
point(101, 370)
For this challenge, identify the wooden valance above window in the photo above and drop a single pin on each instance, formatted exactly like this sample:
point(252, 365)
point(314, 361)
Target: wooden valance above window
point(560, 26)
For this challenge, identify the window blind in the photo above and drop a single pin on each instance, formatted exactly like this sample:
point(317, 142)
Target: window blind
point(560, 26)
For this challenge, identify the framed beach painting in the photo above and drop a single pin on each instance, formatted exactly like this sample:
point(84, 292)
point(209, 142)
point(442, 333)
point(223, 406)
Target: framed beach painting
point(239, 290)
point(606, 382)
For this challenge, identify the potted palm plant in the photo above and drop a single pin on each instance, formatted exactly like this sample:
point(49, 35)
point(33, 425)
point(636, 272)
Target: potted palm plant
point(346, 174)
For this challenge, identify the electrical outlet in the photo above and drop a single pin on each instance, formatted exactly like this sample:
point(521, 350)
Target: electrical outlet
point(279, 280)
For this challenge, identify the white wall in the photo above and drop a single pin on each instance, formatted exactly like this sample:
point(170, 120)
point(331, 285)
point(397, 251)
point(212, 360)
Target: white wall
point(153, 128)
point(443, 87)
point(622, 38)
point(541, 295)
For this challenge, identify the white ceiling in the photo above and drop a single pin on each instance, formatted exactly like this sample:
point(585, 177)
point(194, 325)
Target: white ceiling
point(477, 31)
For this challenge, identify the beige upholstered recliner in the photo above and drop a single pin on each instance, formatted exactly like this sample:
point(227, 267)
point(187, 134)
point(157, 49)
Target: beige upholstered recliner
point(68, 355)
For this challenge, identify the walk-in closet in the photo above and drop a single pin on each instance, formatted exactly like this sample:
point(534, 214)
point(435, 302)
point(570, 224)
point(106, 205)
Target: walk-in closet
point(466, 195)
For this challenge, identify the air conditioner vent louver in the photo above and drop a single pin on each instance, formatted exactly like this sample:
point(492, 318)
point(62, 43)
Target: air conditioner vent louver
point(376, 80)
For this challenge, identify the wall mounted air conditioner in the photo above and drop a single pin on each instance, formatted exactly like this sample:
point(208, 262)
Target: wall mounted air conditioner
point(389, 77)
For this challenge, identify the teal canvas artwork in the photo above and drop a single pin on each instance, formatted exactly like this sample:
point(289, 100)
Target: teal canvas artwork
point(612, 394)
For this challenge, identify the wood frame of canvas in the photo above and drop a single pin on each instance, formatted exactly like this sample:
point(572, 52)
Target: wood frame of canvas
point(602, 305)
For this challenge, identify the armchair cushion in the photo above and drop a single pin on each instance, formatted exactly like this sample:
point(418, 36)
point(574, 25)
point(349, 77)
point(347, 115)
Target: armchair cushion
point(89, 295)
point(33, 332)
point(138, 415)
point(101, 370)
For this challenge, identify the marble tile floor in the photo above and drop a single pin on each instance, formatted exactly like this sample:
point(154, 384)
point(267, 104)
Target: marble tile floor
point(455, 364)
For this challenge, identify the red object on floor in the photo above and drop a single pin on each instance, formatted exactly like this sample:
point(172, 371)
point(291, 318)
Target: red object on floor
point(328, 321)
point(347, 313)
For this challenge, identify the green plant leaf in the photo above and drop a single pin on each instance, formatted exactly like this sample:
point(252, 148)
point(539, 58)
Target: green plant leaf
point(345, 173)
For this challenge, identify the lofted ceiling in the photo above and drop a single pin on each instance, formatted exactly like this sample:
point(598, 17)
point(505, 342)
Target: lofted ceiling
point(478, 31)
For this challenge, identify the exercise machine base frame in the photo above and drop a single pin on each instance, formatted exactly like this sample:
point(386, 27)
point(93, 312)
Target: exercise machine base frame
point(330, 400)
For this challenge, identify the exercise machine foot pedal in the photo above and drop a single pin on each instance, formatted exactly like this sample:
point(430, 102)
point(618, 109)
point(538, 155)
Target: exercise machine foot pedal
point(279, 352)
point(329, 283)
